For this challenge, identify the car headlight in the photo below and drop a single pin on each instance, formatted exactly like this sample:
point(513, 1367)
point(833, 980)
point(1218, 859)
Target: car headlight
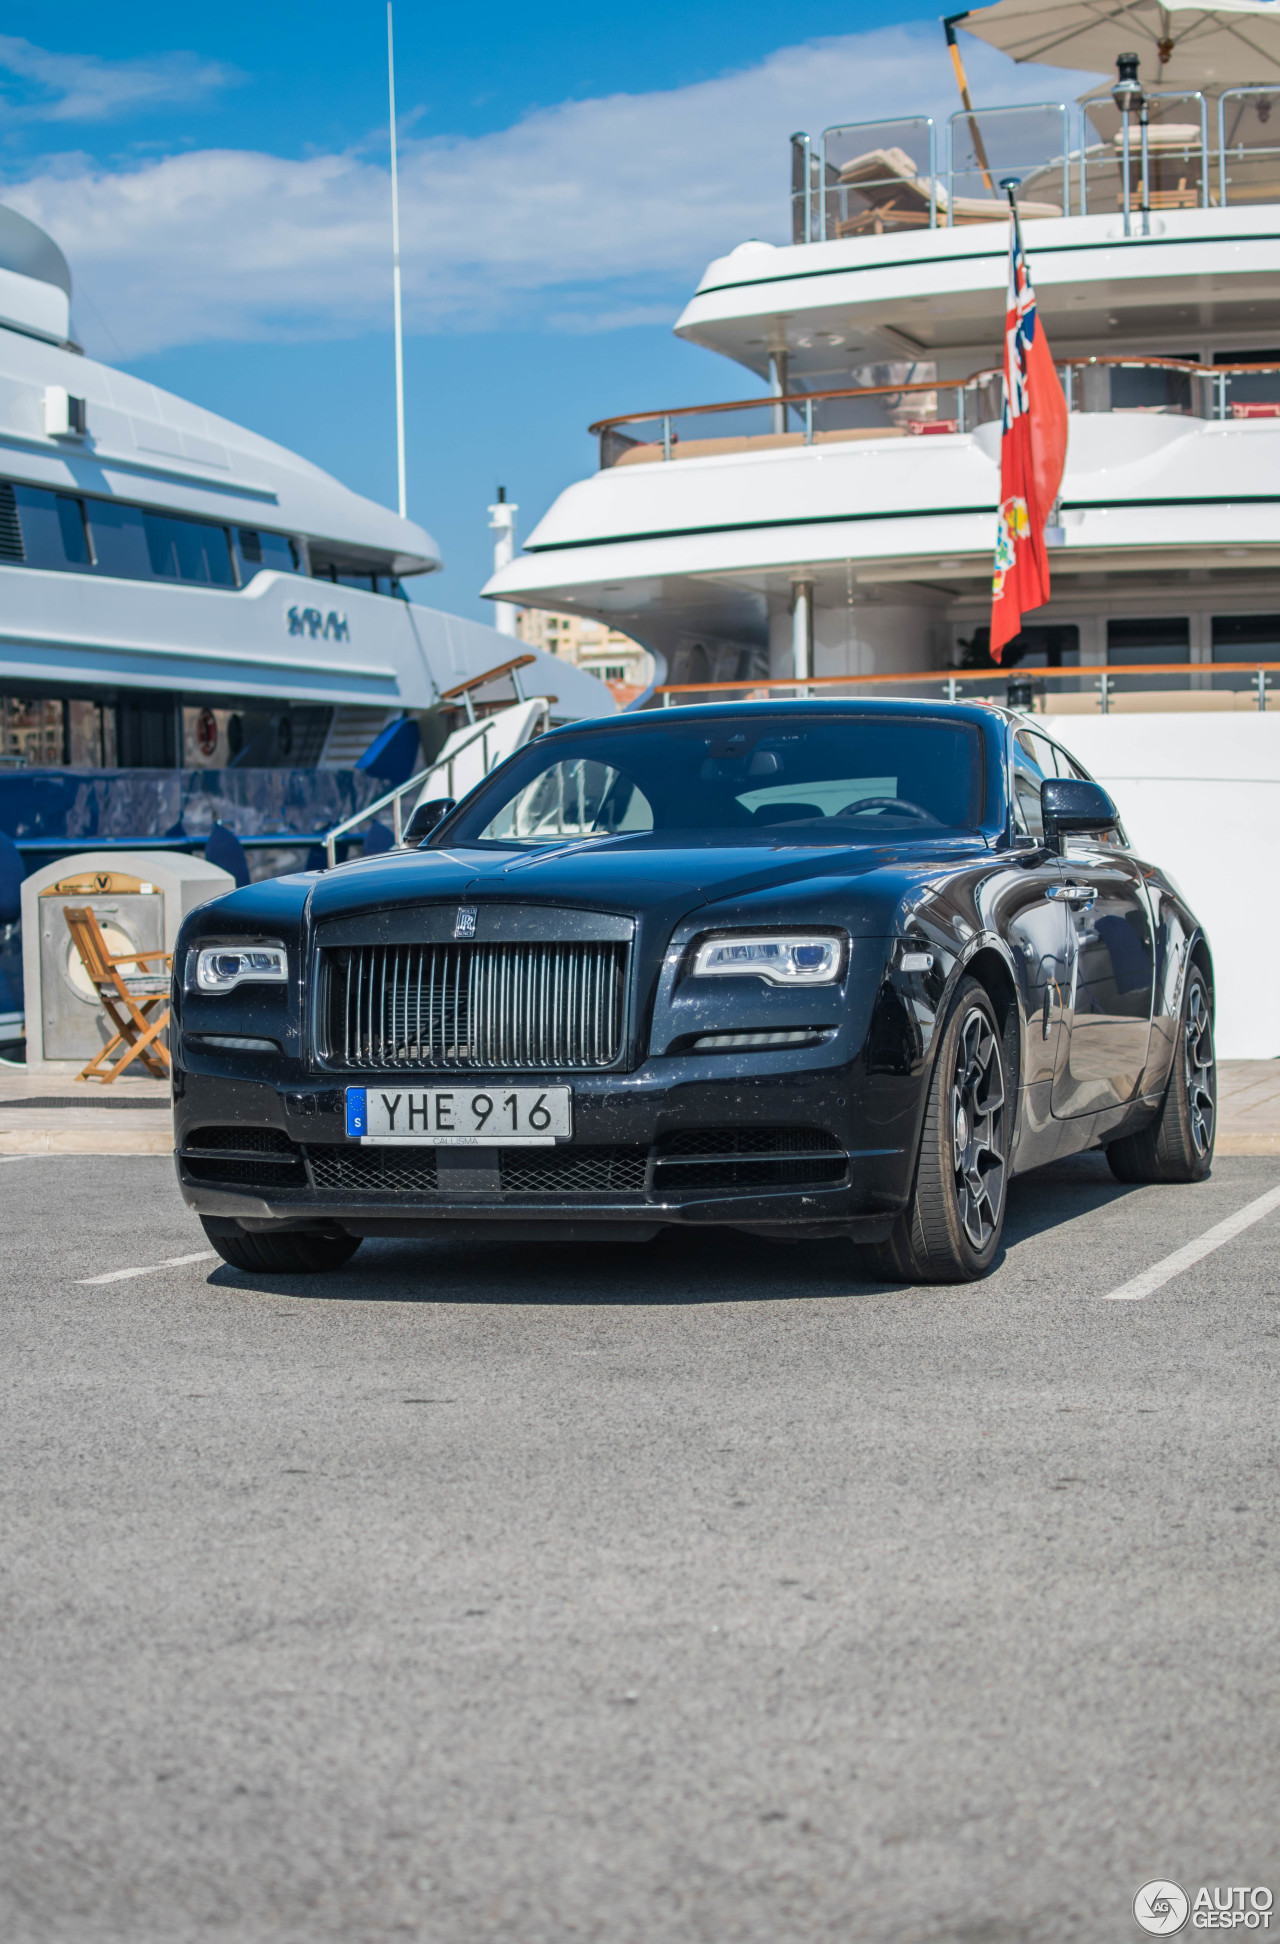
point(220, 967)
point(783, 958)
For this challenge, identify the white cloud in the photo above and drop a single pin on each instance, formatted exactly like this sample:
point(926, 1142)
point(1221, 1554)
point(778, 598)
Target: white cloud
point(580, 217)
point(81, 87)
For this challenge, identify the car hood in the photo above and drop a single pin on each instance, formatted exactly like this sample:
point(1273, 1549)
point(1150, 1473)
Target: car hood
point(638, 875)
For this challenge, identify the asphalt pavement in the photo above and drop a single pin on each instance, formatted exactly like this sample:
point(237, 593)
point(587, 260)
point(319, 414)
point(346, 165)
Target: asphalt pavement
point(692, 1592)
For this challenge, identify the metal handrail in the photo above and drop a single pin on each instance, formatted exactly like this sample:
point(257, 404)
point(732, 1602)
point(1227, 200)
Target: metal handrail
point(1189, 365)
point(796, 398)
point(1232, 94)
point(808, 150)
point(395, 797)
point(1106, 673)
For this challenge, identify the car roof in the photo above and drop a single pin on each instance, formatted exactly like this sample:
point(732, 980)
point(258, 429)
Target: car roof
point(979, 712)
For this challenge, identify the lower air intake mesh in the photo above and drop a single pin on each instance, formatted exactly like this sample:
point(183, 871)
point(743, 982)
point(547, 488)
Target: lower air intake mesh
point(244, 1157)
point(573, 1171)
point(241, 1140)
point(374, 1171)
point(716, 1158)
point(723, 1141)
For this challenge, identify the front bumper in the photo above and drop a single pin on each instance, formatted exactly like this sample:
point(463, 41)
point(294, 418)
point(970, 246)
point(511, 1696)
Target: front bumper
point(798, 1151)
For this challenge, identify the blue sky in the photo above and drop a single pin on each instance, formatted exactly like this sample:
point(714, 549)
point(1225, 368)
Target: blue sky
point(218, 182)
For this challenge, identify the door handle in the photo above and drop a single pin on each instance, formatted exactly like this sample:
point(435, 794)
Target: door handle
point(1083, 895)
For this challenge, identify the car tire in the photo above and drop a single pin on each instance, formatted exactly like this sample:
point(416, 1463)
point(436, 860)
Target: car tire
point(950, 1229)
point(1178, 1144)
point(292, 1252)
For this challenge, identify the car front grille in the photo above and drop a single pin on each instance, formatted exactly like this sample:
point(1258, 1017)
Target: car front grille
point(500, 1008)
point(702, 1160)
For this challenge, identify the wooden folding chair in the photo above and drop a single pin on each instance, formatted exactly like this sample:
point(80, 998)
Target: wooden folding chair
point(129, 1003)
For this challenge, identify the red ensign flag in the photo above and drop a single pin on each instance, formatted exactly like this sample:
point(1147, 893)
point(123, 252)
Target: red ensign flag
point(1033, 452)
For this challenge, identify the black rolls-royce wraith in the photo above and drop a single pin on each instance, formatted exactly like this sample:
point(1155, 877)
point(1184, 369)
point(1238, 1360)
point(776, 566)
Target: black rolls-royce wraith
point(802, 969)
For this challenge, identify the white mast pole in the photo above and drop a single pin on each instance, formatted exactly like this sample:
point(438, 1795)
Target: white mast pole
point(502, 521)
point(395, 273)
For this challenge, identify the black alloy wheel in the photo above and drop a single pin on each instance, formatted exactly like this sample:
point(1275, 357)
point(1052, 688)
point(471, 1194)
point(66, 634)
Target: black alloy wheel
point(950, 1229)
point(290, 1252)
point(1178, 1144)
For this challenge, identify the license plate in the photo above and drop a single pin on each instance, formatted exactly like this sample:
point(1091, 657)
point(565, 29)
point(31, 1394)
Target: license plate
point(459, 1116)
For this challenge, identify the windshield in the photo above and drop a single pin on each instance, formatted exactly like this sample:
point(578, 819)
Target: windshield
point(757, 777)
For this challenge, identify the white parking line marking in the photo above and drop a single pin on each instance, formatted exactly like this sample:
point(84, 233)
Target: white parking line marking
point(152, 1268)
point(1173, 1265)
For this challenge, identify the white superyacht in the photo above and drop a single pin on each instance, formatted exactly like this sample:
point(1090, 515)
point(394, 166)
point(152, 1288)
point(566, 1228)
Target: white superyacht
point(177, 592)
point(833, 516)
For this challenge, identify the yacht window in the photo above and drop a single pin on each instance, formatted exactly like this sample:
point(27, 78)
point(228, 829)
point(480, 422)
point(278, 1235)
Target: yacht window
point(1164, 638)
point(1041, 645)
point(119, 544)
point(275, 551)
point(1246, 637)
point(52, 528)
point(189, 550)
point(146, 732)
point(84, 736)
point(353, 573)
point(32, 731)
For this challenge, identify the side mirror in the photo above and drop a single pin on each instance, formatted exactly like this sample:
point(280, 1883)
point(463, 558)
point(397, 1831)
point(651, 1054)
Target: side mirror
point(426, 817)
point(1071, 807)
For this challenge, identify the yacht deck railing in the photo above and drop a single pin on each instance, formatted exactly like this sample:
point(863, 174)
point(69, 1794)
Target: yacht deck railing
point(1092, 686)
point(908, 173)
point(1177, 387)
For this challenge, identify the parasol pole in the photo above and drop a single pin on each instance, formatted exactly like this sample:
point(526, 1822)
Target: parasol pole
point(949, 28)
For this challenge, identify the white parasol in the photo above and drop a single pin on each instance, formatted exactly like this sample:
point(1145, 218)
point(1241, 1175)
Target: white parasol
point(1230, 44)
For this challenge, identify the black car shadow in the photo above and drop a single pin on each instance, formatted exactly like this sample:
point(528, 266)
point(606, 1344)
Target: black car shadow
point(680, 1267)
point(1061, 1192)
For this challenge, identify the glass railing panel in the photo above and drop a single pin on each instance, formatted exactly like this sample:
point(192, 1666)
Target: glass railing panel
point(878, 177)
point(697, 435)
point(1249, 146)
point(1177, 387)
point(992, 144)
point(885, 411)
point(1244, 638)
point(1247, 386)
point(1178, 172)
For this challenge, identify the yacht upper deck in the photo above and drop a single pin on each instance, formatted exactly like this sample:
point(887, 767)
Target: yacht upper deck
point(899, 235)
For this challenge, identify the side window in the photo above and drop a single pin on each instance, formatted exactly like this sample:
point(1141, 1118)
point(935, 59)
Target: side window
point(119, 543)
point(188, 550)
point(1046, 755)
point(1028, 775)
point(1068, 766)
point(271, 550)
point(53, 529)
